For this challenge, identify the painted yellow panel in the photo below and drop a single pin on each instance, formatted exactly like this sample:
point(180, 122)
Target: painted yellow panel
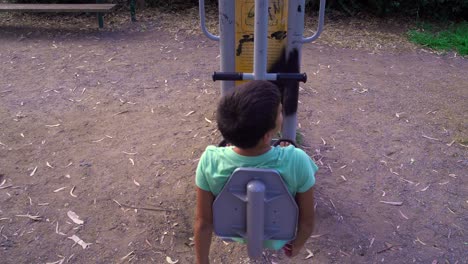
point(245, 21)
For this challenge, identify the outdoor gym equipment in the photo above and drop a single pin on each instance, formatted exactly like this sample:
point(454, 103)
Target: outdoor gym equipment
point(279, 26)
point(254, 203)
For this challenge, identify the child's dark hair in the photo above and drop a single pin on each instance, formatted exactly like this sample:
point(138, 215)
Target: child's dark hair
point(248, 113)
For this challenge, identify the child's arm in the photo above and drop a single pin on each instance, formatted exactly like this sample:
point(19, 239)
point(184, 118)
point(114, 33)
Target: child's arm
point(305, 202)
point(203, 225)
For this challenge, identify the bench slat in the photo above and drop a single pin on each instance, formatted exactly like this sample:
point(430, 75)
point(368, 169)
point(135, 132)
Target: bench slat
point(101, 8)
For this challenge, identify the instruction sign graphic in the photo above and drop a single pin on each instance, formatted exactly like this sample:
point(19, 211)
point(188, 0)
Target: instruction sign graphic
point(245, 22)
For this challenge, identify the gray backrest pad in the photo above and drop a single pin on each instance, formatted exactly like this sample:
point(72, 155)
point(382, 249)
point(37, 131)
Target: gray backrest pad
point(229, 207)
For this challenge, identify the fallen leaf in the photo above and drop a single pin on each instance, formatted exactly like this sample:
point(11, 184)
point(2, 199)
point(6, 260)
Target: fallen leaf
point(57, 262)
point(392, 203)
point(136, 183)
point(399, 114)
point(59, 189)
point(71, 192)
point(402, 215)
point(75, 218)
point(80, 242)
point(34, 171)
point(169, 260)
point(425, 189)
point(189, 113)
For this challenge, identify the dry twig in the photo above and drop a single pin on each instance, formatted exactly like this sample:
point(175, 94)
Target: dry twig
point(33, 172)
point(402, 215)
point(71, 192)
point(157, 209)
point(431, 138)
point(128, 255)
point(392, 203)
point(32, 217)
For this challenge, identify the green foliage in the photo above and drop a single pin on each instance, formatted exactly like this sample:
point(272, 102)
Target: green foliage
point(455, 37)
point(433, 9)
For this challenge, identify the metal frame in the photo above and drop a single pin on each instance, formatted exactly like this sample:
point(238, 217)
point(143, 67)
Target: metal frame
point(227, 46)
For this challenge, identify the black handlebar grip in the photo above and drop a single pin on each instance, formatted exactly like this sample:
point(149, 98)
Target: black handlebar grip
point(300, 77)
point(238, 76)
point(227, 76)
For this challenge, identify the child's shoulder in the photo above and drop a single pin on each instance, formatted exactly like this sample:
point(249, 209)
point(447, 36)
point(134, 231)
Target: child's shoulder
point(291, 151)
point(293, 155)
point(212, 150)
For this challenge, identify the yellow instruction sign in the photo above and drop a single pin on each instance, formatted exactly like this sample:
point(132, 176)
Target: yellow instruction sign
point(245, 22)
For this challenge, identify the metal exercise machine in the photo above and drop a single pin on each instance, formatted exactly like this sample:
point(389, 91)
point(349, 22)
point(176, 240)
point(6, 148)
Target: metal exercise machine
point(229, 45)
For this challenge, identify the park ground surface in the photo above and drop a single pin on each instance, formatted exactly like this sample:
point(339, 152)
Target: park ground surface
point(110, 124)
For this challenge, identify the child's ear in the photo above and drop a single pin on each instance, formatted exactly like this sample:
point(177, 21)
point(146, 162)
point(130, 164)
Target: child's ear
point(268, 136)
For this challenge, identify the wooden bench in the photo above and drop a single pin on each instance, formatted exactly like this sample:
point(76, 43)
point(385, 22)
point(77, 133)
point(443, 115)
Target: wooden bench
point(69, 8)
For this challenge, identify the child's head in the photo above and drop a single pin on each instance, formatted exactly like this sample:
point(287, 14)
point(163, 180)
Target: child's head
point(245, 116)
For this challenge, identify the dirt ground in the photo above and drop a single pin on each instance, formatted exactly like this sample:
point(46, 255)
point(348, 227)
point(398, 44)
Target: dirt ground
point(109, 124)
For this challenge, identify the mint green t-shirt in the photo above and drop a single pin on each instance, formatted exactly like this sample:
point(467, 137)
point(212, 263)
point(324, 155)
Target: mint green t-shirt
point(295, 167)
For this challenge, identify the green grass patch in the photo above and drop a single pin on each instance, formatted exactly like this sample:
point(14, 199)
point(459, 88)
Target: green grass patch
point(453, 37)
point(299, 138)
point(461, 140)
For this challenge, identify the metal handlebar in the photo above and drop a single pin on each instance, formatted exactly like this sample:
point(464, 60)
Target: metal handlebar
point(320, 24)
point(201, 7)
point(239, 76)
point(228, 76)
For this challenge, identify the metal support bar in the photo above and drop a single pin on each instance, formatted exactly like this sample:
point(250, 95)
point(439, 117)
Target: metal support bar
point(100, 16)
point(320, 24)
point(201, 7)
point(132, 11)
point(227, 42)
point(255, 218)
point(260, 39)
point(288, 130)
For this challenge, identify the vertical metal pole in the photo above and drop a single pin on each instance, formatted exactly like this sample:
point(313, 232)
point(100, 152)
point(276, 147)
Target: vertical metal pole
point(260, 39)
point(100, 16)
point(132, 11)
point(227, 39)
point(295, 35)
point(295, 23)
point(289, 127)
point(255, 218)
